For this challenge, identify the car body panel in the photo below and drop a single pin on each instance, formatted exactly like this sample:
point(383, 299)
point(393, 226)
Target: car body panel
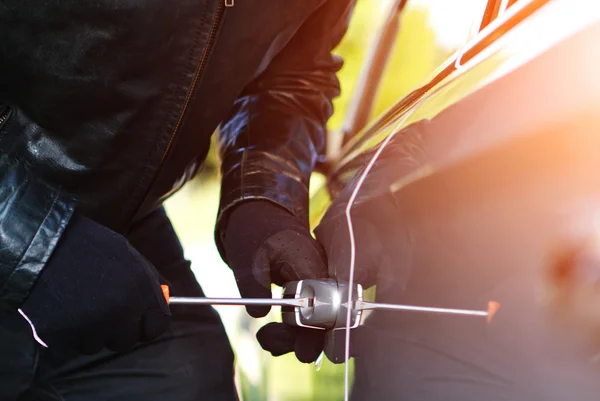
point(516, 102)
point(512, 41)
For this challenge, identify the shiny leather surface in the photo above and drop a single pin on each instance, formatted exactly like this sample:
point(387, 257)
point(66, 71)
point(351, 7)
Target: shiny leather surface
point(113, 104)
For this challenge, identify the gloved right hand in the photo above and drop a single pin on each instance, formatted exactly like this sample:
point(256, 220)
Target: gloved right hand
point(382, 244)
point(96, 291)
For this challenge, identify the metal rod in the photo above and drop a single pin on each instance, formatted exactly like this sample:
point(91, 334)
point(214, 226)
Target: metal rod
point(240, 301)
point(362, 305)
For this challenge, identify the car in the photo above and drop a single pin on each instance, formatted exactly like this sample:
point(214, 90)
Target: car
point(481, 185)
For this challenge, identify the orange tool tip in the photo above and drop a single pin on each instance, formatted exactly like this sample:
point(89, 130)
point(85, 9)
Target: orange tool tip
point(493, 307)
point(166, 293)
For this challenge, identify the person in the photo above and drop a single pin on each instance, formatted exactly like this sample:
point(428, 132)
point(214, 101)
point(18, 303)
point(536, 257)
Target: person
point(106, 109)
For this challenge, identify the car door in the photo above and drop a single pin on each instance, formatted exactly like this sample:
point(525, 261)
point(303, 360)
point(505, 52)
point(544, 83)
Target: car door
point(478, 186)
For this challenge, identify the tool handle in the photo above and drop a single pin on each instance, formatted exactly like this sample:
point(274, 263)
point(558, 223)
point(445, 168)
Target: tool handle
point(166, 292)
point(295, 302)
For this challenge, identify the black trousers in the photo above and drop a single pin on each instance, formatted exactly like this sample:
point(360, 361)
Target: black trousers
point(193, 360)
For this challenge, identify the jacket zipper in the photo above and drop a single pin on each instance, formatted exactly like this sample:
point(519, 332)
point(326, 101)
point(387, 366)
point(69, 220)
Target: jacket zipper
point(4, 115)
point(201, 66)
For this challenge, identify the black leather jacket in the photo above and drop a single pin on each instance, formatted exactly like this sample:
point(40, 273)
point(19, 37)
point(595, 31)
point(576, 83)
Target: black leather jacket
point(108, 106)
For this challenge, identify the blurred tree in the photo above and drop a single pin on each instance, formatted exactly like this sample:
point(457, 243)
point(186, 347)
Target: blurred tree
point(417, 53)
point(415, 57)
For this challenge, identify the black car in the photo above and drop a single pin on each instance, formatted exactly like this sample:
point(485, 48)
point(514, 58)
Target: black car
point(481, 185)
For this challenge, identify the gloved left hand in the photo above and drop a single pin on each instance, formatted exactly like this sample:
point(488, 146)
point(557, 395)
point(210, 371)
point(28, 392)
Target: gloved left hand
point(266, 244)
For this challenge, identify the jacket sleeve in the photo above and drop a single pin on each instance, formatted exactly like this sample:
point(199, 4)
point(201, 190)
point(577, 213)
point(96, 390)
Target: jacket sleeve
point(33, 216)
point(277, 128)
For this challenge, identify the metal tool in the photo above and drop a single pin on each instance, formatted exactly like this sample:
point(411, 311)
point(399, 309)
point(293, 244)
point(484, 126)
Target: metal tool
point(327, 310)
point(323, 305)
point(319, 304)
point(489, 313)
point(298, 302)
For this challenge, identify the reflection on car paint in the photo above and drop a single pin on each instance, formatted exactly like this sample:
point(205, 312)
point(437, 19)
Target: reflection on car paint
point(442, 160)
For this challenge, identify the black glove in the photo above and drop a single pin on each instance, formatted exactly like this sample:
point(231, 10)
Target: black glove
point(382, 244)
point(96, 291)
point(266, 244)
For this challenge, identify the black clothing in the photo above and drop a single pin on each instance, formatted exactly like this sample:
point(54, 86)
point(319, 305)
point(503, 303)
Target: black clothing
point(282, 250)
point(96, 291)
point(110, 105)
point(266, 244)
point(191, 361)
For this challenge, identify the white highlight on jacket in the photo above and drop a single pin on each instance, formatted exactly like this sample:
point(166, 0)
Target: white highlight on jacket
point(35, 334)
